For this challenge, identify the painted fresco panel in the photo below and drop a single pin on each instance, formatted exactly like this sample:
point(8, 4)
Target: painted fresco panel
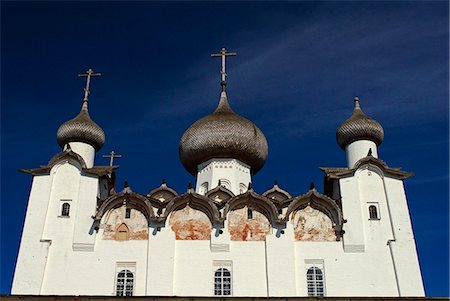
point(243, 228)
point(190, 224)
point(137, 225)
point(312, 225)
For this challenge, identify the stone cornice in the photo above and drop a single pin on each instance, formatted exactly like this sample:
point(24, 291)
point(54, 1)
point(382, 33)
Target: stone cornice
point(339, 173)
point(70, 155)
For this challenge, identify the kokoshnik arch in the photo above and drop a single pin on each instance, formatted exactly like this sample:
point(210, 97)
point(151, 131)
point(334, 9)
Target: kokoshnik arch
point(221, 238)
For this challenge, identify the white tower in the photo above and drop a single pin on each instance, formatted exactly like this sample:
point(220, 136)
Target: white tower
point(62, 200)
point(373, 200)
point(223, 147)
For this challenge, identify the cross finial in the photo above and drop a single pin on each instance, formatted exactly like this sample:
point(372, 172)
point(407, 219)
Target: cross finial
point(223, 53)
point(111, 157)
point(88, 74)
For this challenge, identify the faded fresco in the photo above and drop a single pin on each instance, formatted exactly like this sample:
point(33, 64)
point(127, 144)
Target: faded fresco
point(245, 226)
point(118, 227)
point(190, 224)
point(312, 225)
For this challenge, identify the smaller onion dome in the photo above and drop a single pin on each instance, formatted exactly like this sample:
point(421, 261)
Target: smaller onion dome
point(81, 129)
point(359, 127)
point(223, 134)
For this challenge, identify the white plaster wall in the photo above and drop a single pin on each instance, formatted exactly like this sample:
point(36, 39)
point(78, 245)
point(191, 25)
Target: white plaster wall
point(214, 170)
point(161, 257)
point(281, 263)
point(346, 274)
point(86, 151)
point(404, 246)
point(358, 150)
point(84, 235)
point(32, 256)
point(353, 239)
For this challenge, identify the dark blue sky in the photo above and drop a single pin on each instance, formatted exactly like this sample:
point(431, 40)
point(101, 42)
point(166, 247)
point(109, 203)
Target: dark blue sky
point(298, 67)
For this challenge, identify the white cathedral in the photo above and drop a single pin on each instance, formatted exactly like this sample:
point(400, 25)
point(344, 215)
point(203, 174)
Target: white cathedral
point(82, 237)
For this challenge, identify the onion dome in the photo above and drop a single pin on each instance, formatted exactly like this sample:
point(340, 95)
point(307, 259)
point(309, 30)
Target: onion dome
point(359, 127)
point(223, 134)
point(81, 129)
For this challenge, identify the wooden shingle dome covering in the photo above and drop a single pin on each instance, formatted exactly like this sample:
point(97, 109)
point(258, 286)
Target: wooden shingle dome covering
point(359, 127)
point(81, 129)
point(223, 134)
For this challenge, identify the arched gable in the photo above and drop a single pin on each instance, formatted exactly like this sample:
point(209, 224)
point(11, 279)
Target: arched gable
point(219, 195)
point(163, 193)
point(190, 224)
point(277, 195)
point(256, 201)
point(195, 201)
point(321, 203)
point(128, 198)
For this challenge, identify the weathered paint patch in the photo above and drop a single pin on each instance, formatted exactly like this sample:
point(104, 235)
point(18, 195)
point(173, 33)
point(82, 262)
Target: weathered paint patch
point(243, 228)
point(312, 225)
point(190, 224)
point(116, 225)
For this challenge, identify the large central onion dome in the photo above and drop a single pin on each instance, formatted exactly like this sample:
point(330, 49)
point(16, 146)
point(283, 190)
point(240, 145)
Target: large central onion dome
point(223, 134)
point(359, 127)
point(81, 129)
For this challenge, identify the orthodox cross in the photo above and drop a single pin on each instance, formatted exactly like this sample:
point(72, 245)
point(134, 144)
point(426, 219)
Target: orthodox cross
point(111, 157)
point(88, 74)
point(223, 53)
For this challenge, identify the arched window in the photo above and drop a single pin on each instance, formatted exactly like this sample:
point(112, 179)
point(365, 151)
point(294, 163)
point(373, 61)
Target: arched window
point(373, 213)
point(127, 213)
point(222, 282)
point(242, 188)
point(65, 209)
point(203, 188)
point(314, 278)
point(225, 183)
point(125, 283)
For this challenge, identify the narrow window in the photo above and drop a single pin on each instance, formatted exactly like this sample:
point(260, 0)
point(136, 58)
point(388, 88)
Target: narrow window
point(124, 283)
point(65, 209)
point(249, 213)
point(222, 282)
point(373, 213)
point(314, 278)
point(242, 188)
point(127, 213)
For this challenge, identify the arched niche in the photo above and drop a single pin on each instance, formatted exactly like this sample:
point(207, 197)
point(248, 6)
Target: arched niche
point(124, 223)
point(311, 224)
point(190, 223)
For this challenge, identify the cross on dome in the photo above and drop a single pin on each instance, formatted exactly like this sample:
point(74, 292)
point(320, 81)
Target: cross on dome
point(223, 53)
point(111, 157)
point(88, 76)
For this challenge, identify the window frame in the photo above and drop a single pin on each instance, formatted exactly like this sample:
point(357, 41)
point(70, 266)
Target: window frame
point(222, 266)
point(124, 267)
point(62, 203)
point(377, 209)
point(315, 264)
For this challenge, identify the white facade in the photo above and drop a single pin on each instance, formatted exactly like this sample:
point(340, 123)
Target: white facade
point(66, 256)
